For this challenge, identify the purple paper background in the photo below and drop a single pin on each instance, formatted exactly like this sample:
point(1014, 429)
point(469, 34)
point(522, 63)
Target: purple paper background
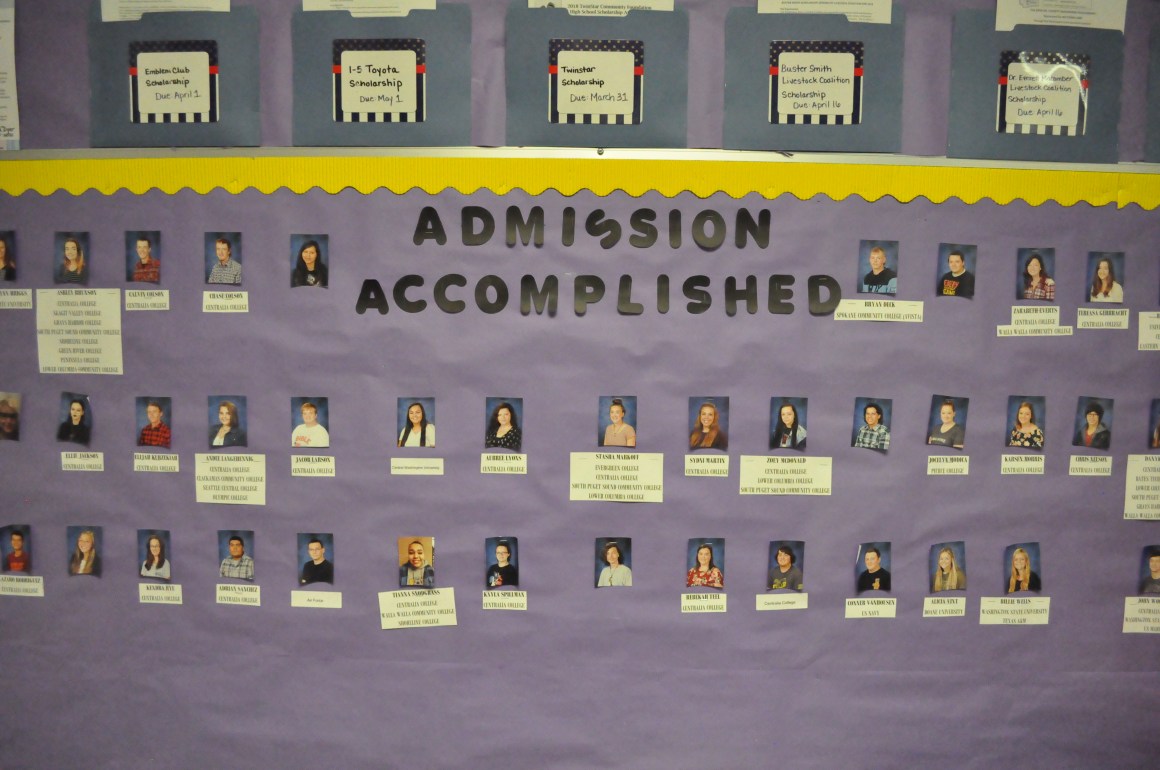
point(585, 677)
point(52, 47)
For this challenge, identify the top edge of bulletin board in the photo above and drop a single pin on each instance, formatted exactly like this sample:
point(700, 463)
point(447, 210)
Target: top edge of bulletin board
point(601, 172)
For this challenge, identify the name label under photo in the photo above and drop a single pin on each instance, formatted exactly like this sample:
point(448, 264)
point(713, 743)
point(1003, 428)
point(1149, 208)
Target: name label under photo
point(696, 603)
point(78, 331)
point(150, 462)
point(15, 299)
point(788, 601)
point(895, 310)
point(500, 463)
point(782, 475)
point(871, 608)
point(153, 593)
point(1089, 465)
point(229, 479)
point(623, 477)
point(82, 461)
point(311, 465)
point(1141, 615)
point(505, 600)
point(1035, 316)
point(245, 595)
point(31, 586)
point(1142, 487)
point(1022, 465)
point(417, 608)
point(319, 600)
point(146, 299)
point(225, 302)
point(1102, 318)
point(944, 606)
point(1003, 611)
point(707, 465)
point(416, 466)
point(1149, 336)
point(946, 465)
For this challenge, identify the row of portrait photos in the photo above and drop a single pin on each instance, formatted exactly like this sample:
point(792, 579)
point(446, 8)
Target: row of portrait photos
point(616, 424)
point(612, 563)
point(308, 259)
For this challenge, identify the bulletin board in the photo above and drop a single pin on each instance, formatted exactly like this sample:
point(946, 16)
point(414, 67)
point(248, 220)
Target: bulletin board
point(459, 277)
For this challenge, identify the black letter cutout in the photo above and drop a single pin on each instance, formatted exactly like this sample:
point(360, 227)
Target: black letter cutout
point(441, 299)
point(429, 227)
point(586, 289)
point(501, 294)
point(469, 217)
point(817, 307)
point(371, 295)
point(400, 294)
point(529, 294)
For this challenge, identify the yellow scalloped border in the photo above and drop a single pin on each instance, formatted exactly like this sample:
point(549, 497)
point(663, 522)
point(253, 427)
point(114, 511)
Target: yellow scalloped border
point(602, 176)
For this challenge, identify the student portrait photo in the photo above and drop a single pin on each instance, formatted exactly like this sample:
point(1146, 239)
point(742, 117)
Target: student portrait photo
point(16, 545)
point(223, 258)
point(872, 567)
point(309, 418)
point(786, 565)
point(504, 418)
point(76, 419)
point(7, 255)
point(948, 567)
point(616, 421)
point(503, 566)
point(84, 547)
point(1105, 272)
point(613, 560)
point(416, 421)
point(1153, 425)
point(143, 256)
point(1093, 423)
point(227, 421)
point(947, 424)
point(1021, 568)
point(70, 252)
point(956, 270)
point(235, 551)
point(872, 423)
point(1034, 268)
point(787, 420)
point(705, 560)
point(1150, 571)
point(153, 554)
point(878, 267)
point(1026, 415)
point(153, 421)
point(416, 562)
point(709, 422)
point(310, 257)
point(9, 416)
point(315, 551)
